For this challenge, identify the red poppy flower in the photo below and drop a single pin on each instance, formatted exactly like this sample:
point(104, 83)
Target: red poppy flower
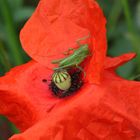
point(105, 107)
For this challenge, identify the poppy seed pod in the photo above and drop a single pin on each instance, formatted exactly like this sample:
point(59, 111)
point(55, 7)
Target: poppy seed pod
point(62, 79)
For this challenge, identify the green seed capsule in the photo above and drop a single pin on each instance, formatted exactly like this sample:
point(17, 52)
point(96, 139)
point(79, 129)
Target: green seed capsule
point(62, 79)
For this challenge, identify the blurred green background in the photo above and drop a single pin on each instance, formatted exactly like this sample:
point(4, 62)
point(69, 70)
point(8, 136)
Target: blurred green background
point(123, 35)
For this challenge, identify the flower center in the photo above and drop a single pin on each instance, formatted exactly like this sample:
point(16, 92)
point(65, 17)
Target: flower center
point(76, 83)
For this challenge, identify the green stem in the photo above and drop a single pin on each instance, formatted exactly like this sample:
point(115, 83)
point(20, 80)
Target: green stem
point(11, 32)
point(4, 58)
point(113, 17)
point(14, 129)
point(135, 39)
point(128, 15)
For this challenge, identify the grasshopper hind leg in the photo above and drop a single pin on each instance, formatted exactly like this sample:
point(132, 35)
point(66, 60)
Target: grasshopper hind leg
point(81, 69)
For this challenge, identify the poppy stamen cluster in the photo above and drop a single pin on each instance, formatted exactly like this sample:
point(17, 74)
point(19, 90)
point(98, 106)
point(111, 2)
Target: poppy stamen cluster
point(76, 83)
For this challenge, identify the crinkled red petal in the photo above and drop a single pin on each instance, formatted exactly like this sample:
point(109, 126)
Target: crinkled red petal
point(25, 98)
point(55, 27)
point(110, 111)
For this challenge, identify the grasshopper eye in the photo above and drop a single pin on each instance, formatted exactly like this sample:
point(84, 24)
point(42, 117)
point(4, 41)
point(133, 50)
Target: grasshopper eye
point(62, 79)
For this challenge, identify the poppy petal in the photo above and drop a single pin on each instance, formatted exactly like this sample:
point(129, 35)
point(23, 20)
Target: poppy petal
point(26, 89)
point(117, 61)
point(55, 27)
point(108, 111)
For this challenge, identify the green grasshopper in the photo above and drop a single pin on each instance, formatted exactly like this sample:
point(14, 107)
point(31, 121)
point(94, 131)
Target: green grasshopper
point(73, 60)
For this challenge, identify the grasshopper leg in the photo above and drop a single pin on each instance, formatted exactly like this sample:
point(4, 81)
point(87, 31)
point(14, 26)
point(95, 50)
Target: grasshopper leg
point(57, 61)
point(83, 38)
point(68, 51)
point(81, 69)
